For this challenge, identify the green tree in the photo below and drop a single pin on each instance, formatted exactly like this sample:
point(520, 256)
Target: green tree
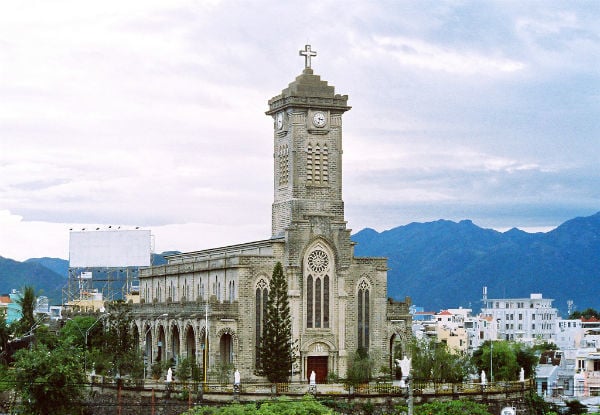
point(526, 359)
point(457, 407)
point(502, 355)
point(48, 381)
point(542, 347)
point(575, 407)
point(432, 360)
point(587, 313)
point(307, 406)
point(117, 342)
point(360, 368)
point(184, 369)
point(5, 332)
point(27, 303)
point(275, 350)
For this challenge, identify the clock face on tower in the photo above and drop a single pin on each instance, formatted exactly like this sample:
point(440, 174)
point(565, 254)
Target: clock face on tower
point(279, 120)
point(319, 119)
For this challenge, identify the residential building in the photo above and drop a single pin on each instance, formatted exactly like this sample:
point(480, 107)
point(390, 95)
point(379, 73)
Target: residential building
point(522, 319)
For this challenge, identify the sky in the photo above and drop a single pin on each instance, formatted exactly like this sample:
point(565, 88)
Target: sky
point(151, 114)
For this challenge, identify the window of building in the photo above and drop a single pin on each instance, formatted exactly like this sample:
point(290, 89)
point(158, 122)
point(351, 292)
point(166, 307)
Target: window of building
point(317, 164)
point(317, 290)
point(283, 158)
point(261, 297)
point(231, 291)
point(363, 315)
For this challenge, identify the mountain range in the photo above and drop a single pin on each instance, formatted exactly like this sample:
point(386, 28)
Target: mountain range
point(441, 264)
point(445, 264)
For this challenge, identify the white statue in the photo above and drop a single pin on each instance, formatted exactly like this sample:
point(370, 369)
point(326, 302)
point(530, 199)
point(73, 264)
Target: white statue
point(522, 375)
point(405, 367)
point(236, 377)
point(483, 378)
point(313, 378)
point(169, 375)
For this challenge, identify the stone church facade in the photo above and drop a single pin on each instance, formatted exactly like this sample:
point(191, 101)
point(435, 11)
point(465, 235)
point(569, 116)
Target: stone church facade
point(209, 305)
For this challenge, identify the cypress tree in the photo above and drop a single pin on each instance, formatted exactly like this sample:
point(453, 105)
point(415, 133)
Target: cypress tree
point(276, 343)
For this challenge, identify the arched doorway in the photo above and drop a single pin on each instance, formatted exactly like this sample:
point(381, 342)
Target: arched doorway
point(204, 345)
point(226, 348)
point(148, 344)
point(190, 343)
point(175, 349)
point(396, 352)
point(318, 360)
point(136, 335)
point(162, 350)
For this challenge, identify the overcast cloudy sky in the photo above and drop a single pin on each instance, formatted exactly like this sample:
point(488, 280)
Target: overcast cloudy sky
point(151, 114)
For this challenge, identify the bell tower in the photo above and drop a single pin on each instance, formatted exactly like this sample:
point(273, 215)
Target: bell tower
point(307, 154)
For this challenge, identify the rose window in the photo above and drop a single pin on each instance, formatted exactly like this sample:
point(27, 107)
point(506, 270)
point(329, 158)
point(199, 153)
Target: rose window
point(318, 261)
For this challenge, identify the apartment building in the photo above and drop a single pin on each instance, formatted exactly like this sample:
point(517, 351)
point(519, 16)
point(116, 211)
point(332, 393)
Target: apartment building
point(522, 319)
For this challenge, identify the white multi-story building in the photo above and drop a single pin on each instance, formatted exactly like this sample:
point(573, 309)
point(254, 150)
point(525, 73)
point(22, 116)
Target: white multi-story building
point(522, 319)
point(568, 334)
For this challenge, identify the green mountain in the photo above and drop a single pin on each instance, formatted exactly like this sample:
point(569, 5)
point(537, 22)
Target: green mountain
point(438, 264)
point(445, 264)
point(49, 276)
point(16, 275)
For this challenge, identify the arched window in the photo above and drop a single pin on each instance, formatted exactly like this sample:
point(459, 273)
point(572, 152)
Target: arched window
point(363, 317)
point(317, 290)
point(261, 297)
point(231, 291)
point(309, 301)
point(226, 348)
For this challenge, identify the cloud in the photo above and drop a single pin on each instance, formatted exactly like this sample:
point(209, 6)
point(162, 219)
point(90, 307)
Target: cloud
point(424, 55)
point(152, 114)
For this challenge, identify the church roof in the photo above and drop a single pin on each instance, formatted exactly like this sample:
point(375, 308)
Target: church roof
point(308, 90)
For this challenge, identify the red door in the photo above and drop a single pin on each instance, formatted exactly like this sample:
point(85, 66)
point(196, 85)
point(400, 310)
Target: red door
point(319, 365)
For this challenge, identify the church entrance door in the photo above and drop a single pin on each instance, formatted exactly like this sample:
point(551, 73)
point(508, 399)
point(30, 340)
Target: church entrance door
point(319, 365)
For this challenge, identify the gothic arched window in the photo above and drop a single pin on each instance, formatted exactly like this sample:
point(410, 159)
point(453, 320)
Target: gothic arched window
point(261, 297)
point(317, 290)
point(363, 317)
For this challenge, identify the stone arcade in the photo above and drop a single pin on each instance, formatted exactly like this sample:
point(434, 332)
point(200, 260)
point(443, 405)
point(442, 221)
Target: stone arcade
point(209, 305)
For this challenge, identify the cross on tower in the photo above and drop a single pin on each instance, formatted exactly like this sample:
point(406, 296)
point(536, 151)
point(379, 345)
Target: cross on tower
point(307, 53)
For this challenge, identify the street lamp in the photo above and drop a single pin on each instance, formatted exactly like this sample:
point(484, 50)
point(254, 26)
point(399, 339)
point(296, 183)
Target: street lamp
point(492, 361)
point(205, 363)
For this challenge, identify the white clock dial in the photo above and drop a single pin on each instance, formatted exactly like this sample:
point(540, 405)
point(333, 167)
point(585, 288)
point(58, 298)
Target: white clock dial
point(279, 120)
point(319, 119)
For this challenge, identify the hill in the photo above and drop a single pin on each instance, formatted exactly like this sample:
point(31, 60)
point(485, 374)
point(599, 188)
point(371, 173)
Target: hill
point(48, 276)
point(445, 264)
point(15, 274)
point(439, 264)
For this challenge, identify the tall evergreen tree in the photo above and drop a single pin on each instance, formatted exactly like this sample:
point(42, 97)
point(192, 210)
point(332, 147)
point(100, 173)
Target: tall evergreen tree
point(27, 303)
point(276, 351)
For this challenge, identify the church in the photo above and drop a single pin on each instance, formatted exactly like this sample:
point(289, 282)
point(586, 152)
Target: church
point(209, 305)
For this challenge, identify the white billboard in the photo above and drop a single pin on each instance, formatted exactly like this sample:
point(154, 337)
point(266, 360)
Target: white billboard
point(110, 249)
